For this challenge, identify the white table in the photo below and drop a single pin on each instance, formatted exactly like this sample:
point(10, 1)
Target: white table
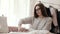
point(32, 32)
point(17, 33)
point(3, 33)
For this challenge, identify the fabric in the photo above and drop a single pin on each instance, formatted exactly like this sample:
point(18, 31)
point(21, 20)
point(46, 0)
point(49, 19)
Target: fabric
point(58, 18)
point(44, 24)
point(54, 13)
point(54, 16)
point(48, 12)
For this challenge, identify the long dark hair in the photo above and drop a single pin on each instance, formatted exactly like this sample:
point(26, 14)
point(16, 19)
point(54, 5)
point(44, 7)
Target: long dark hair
point(42, 8)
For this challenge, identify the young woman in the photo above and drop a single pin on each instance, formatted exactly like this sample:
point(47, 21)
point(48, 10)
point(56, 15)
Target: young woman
point(40, 21)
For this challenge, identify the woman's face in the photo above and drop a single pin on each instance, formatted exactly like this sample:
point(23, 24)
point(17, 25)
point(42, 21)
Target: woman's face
point(38, 11)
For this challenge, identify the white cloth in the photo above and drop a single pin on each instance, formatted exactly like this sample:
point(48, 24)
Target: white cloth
point(54, 15)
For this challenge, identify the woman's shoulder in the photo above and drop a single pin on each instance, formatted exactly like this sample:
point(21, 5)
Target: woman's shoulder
point(49, 18)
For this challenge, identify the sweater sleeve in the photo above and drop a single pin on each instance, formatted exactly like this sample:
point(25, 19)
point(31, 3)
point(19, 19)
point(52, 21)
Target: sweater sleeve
point(25, 21)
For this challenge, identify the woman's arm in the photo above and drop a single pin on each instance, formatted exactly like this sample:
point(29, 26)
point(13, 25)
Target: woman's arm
point(24, 21)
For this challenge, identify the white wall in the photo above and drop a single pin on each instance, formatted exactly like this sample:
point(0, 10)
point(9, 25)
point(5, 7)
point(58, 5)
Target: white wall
point(0, 5)
point(4, 7)
point(18, 9)
point(54, 3)
point(21, 8)
point(32, 4)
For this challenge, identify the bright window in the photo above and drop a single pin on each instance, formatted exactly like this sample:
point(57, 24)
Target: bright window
point(14, 10)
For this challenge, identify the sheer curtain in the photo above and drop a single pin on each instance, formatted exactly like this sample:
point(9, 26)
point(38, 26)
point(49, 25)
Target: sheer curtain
point(14, 10)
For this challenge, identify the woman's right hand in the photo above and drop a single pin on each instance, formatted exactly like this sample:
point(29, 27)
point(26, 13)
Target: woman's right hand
point(23, 30)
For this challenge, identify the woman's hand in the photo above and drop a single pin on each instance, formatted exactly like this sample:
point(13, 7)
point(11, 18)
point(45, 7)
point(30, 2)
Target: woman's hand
point(23, 30)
